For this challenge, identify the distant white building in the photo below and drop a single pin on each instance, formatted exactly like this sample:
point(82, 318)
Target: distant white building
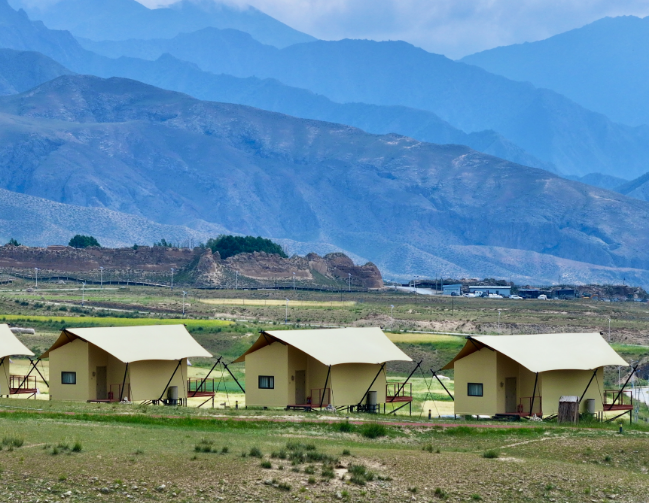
point(505, 291)
point(452, 289)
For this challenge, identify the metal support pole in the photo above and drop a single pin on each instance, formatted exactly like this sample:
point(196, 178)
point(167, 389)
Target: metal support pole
point(235, 379)
point(325, 386)
point(121, 391)
point(370, 387)
point(205, 378)
point(534, 393)
point(440, 381)
point(591, 380)
point(170, 379)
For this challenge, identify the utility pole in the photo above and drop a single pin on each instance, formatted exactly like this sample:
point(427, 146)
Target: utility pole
point(101, 276)
point(172, 278)
point(293, 281)
point(184, 294)
point(349, 281)
point(83, 293)
point(36, 271)
point(391, 309)
point(499, 320)
point(609, 330)
point(236, 280)
point(286, 316)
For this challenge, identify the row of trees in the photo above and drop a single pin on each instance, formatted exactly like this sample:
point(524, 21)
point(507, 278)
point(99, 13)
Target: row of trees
point(226, 245)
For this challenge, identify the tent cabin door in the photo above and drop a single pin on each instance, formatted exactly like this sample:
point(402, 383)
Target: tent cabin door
point(510, 394)
point(102, 386)
point(300, 387)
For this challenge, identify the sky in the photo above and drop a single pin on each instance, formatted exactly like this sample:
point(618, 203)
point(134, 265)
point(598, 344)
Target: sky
point(454, 28)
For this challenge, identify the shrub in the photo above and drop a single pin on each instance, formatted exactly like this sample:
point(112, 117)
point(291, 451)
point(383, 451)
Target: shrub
point(255, 453)
point(77, 447)
point(80, 241)
point(490, 454)
point(279, 455)
point(12, 441)
point(373, 430)
point(310, 470)
point(266, 464)
point(476, 497)
point(311, 480)
point(427, 448)
point(284, 486)
point(344, 427)
point(440, 493)
point(228, 246)
point(225, 450)
point(328, 472)
point(346, 452)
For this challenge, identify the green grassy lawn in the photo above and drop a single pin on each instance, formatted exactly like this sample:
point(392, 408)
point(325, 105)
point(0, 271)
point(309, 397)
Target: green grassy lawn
point(126, 453)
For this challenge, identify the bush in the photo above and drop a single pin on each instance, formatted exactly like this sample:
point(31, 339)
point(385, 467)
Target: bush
point(344, 427)
point(328, 472)
point(228, 246)
point(76, 447)
point(12, 441)
point(490, 454)
point(284, 486)
point(80, 241)
point(373, 430)
point(266, 464)
point(346, 452)
point(255, 453)
point(440, 493)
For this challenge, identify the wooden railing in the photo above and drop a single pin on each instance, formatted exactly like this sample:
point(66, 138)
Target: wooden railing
point(525, 403)
point(196, 386)
point(320, 395)
point(398, 392)
point(22, 384)
point(623, 402)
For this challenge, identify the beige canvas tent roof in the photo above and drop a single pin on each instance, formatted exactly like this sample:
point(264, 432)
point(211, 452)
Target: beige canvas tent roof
point(10, 345)
point(335, 346)
point(137, 343)
point(544, 352)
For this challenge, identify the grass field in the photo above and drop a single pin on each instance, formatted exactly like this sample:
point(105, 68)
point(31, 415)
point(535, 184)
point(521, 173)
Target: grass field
point(100, 453)
point(277, 302)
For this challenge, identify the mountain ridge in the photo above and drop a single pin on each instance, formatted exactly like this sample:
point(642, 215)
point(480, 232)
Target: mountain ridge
point(603, 65)
point(123, 19)
point(129, 146)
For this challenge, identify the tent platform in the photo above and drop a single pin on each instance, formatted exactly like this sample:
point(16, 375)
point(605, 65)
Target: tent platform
point(394, 399)
point(618, 406)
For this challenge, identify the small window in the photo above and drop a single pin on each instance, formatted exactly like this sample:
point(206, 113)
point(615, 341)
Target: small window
point(68, 378)
point(266, 382)
point(474, 389)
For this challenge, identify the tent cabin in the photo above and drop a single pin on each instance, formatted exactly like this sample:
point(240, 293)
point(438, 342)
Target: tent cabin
point(11, 384)
point(526, 375)
point(342, 367)
point(110, 364)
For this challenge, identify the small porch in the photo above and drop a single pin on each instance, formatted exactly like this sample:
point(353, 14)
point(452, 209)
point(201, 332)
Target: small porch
point(318, 398)
point(615, 400)
point(23, 385)
point(114, 394)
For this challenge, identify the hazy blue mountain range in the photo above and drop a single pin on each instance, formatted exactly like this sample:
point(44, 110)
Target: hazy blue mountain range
point(638, 188)
point(543, 123)
point(406, 205)
point(171, 73)
point(21, 70)
point(603, 66)
point(40, 222)
point(600, 180)
point(124, 19)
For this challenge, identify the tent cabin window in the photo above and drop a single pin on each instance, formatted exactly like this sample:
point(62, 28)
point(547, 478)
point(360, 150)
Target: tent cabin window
point(474, 389)
point(68, 378)
point(266, 382)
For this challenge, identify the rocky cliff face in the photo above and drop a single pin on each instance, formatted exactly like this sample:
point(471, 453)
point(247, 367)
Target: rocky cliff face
point(195, 267)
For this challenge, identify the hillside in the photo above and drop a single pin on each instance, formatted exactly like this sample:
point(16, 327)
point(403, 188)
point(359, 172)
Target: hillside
point(543, 123)
point(126, 19)
point(40, 222)
point(173, 159)
point(20, 70)
point(603, 66)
